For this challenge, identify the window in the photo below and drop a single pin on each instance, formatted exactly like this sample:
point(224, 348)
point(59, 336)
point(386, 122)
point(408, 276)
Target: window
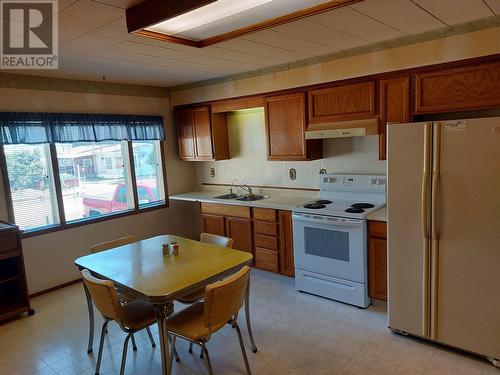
point(32, 187)
point(95, 180)
point(148, 172)
point(96, 188)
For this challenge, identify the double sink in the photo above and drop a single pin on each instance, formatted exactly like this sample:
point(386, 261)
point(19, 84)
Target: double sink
point(243, 198)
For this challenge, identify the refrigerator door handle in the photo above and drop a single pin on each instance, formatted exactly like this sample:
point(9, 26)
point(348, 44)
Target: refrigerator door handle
point(426, 178)
point(436, 171)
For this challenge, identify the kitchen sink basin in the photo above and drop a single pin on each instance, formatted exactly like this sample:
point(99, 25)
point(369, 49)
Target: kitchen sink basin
point(228, 196)
point(253, 197)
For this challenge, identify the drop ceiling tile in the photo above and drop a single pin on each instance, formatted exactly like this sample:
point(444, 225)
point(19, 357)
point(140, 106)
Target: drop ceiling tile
point(494, 5)
point(456, 11)
point(92, 10)
point(356, 24)
point(276, 39)
point(308, 30)
point(403, 15)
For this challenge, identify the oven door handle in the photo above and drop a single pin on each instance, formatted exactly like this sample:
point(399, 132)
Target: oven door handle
point(338, 222)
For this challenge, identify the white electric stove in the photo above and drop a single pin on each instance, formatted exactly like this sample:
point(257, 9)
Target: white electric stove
point(330, 244)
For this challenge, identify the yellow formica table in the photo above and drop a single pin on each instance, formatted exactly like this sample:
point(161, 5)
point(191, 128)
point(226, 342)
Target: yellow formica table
point(141, 270)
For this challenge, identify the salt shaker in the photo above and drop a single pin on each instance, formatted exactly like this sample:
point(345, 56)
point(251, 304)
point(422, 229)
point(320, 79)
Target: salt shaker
point(166, 249)
point(174, 248)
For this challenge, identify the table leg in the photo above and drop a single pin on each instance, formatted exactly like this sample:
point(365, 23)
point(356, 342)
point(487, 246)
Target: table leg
point(90, 307)
point(247, 315)
point(161, 317)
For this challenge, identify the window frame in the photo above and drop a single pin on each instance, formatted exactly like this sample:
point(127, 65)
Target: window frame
point(63, 224)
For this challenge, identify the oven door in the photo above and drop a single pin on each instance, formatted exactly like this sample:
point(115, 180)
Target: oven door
point(331, 246)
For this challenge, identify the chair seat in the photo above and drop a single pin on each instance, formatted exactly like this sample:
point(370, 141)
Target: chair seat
point(190, 323)
point(193, 297)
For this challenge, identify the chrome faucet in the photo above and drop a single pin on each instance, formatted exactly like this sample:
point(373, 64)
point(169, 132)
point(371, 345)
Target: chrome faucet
point(245, 187)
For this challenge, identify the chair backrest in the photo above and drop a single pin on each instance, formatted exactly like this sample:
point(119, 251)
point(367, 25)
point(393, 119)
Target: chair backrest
point(103, 293)
point(216, 240)
point(223, 299)
point(111, 244)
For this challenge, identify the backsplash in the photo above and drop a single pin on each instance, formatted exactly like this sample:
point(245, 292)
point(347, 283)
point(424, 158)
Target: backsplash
point(248, 163)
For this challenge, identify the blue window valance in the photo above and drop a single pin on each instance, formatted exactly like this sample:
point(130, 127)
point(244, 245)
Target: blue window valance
point(34, 128)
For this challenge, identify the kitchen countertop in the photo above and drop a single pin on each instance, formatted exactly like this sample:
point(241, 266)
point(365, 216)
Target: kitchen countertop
point(275, 201)
point(379, 215)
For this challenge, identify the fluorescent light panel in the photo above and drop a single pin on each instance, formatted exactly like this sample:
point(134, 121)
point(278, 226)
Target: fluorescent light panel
point(204, 15)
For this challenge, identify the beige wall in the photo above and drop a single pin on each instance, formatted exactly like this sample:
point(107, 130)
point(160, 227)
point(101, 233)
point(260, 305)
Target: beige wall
point(247, 140)
point(457, 47)
point(49, 258)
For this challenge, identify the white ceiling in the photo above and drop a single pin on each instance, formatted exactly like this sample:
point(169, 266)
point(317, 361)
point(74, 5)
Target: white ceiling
point(93, 40)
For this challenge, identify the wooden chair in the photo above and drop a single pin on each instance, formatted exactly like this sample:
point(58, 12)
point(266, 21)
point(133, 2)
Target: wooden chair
point(123, 297)
point(131, 317)
point(198, 322)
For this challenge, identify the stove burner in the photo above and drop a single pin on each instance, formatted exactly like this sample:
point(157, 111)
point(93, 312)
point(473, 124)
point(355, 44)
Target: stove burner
point(323, 201)
point(355, 210)
point(362, 205)
point(314, 206)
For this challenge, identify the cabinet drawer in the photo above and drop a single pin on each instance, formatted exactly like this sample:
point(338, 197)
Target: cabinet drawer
point(8, 242)
point(266, 259)
point(262, 227)
point(267, 242)
point(377, 229)
point(225, 210)
point(264, 214)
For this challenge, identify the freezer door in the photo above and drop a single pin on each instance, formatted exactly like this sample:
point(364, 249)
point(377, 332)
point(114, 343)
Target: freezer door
point(466, 260)
point(408, 188)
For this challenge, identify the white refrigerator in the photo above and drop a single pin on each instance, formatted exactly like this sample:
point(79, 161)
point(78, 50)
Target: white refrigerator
point(443, 202)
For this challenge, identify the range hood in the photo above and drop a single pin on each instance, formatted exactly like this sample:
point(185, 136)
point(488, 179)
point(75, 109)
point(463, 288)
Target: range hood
point(341, 129)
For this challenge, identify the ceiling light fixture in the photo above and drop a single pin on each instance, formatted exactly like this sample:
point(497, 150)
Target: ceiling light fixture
point(205, 15)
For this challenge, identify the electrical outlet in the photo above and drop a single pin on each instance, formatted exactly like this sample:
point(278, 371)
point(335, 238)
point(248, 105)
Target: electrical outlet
point(292, 173)
point(212, 172)
point(322, 171)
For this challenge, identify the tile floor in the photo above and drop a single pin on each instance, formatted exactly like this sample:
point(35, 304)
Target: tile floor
point(296, 334)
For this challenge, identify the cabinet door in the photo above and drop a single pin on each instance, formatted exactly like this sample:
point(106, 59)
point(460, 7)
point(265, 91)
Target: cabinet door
point(203, 133)
point(394, 106)
point(341, 103)
point(185, 133)
point(377, 264)
point(214, 224)
point(285, 125)
point(468, 88)
point(287, 266)
point(240, 230)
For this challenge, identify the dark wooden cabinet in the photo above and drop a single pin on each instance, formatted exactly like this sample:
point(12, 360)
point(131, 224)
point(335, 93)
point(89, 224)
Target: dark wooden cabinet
point(240, 230)
point(394, 107)
point(214, 224)
point(201, 134)
point(285, 126)
point(14, 298)
point(472, 87)
point(287, 265)
point(266, 239)
point(343, 102)
point(377, 260)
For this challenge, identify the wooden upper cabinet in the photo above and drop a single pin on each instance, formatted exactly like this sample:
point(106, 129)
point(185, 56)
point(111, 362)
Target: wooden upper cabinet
point(343, 102)
point(394, 106)
point(201, 134)
point(285, 126)
point(460, 89)
point(185, 134)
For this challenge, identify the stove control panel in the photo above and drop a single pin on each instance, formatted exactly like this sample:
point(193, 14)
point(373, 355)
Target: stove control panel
point(352, 183)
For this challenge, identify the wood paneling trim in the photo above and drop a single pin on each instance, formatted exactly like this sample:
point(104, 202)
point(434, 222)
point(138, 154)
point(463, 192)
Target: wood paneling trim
point(377, 229)
point(225, 210)
point(287, 264)
point(150, 12)
point(57, 287)
point(238, 104)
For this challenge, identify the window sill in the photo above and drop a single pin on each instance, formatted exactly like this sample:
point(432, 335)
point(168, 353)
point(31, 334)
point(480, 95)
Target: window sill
point(88, 221)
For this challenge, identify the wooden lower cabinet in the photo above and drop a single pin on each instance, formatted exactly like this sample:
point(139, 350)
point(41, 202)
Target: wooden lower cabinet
point(240, 230)
point(267, 233)
point(214, 224)
point(287, 265)
point(377, 260)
